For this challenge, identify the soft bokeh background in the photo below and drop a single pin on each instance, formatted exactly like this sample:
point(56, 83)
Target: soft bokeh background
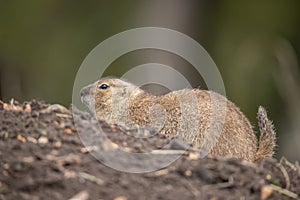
point(255, 44)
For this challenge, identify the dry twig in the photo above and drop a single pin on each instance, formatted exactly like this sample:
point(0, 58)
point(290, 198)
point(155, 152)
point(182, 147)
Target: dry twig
point(219, 185)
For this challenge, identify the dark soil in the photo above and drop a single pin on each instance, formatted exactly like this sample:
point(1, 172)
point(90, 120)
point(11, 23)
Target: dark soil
point(43, 157)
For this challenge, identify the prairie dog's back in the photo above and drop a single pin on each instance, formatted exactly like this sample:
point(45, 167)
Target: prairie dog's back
point(222, 129)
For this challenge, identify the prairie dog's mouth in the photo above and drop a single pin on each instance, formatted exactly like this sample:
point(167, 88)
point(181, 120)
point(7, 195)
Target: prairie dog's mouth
point(89, 101)
point(86, 99)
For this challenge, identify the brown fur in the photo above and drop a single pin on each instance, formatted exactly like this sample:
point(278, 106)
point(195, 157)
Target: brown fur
point(126, 104)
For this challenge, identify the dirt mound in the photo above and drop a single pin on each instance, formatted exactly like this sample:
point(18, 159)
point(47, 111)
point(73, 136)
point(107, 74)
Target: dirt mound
point(42, 157)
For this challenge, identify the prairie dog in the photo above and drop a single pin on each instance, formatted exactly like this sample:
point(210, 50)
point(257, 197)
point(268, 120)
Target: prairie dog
point(120, 102)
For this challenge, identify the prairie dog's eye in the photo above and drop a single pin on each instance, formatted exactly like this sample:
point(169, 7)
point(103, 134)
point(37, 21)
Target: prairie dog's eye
point(103, 86)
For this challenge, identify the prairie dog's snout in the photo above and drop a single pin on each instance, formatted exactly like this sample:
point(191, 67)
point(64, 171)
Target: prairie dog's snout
point(87, 95)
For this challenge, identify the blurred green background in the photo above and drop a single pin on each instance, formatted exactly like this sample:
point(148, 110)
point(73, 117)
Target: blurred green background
point(255, 44)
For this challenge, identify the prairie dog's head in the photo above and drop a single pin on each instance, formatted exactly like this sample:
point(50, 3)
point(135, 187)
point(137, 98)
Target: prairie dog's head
point(106, 94)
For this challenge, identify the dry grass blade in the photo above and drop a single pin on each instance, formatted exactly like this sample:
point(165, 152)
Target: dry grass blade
point(284, 191)
point(285, 174)
point(91, 178)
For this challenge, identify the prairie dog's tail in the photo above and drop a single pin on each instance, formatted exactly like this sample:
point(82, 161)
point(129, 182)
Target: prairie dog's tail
point(267, 140)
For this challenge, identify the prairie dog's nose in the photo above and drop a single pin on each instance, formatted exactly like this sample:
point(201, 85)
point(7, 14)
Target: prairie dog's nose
point(86, 90)
point(86, 94)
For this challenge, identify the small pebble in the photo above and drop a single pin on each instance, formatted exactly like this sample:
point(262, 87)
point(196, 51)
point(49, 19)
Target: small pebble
point(29, 159)
point(68, 131)
point(120, 198)
point(32, 139)
point(193, 156)
point(43, 140)
point(21, 138)
point(57, 144)
point(266, 192)
point(83, 195)
point(188, 173)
